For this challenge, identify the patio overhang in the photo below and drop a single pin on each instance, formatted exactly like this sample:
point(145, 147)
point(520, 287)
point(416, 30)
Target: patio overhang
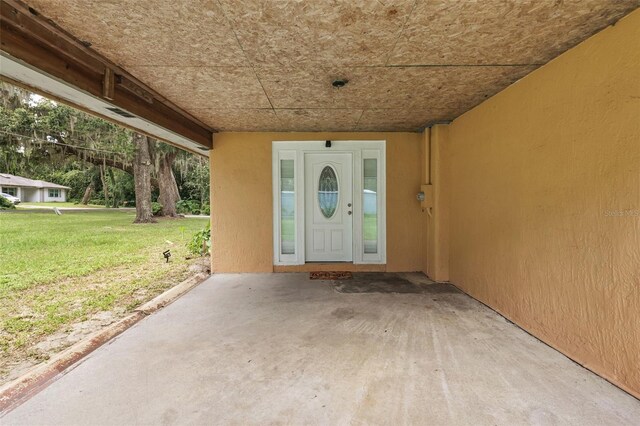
point(42, 57)
point(256, 66)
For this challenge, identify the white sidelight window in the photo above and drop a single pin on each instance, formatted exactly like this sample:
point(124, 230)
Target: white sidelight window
point(373, 206)
point(285, 200)
point(287, 207)
point(329, 202)
point(370, 205)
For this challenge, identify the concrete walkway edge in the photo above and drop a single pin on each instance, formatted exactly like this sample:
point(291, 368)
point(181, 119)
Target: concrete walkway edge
point(18, 391)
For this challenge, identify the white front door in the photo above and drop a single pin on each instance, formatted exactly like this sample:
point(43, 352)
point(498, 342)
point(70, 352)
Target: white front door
point(328, 207)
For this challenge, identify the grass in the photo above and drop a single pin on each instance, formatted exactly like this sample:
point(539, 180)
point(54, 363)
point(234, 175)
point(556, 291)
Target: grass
point(288, 229)
point(59, 270)
point(370, 227)
point(57, 204)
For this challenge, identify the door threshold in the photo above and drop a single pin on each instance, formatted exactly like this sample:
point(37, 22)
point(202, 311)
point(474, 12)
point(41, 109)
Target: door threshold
point(331, 266)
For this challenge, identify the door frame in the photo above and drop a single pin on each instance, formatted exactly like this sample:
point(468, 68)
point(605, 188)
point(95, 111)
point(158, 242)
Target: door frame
point(360, 149)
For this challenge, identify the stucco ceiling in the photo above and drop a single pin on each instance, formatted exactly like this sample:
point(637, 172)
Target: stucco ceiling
point(268, 64)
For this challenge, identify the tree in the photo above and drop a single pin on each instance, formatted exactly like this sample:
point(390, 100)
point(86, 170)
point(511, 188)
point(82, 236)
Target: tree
point(87, 194)
point(45, 140)
point(194, 178)
point(42, 139)
point(142, 178)
point(167, 186)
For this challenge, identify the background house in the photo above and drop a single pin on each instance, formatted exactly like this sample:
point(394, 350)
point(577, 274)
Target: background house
point(32, 191)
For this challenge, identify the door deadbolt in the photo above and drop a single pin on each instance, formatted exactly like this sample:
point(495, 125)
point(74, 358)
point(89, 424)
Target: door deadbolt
point(349, 205)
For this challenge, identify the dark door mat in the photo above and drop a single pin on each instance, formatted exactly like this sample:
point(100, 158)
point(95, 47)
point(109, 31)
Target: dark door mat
point(385, 282)
point(330, 275)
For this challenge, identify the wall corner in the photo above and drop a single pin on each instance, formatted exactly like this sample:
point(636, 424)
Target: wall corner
point(437, 232)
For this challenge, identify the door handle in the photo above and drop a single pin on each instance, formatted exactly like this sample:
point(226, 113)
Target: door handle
point(349, 212)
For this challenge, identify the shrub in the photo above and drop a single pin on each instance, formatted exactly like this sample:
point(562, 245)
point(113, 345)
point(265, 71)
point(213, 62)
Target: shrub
point(187, 206)
point(156, 208)
point(206, 209)
point(6, 204)
point(200, 243)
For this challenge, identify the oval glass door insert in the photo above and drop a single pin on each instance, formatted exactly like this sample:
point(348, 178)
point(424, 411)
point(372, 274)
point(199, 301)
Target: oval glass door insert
point(328, 192)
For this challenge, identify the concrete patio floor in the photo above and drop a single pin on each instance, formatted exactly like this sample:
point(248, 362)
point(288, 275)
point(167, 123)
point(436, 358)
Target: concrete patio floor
point(280, 348)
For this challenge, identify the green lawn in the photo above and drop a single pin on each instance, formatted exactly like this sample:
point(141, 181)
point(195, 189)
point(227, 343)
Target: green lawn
point(288, 229)
point(370, 227)
point(57, 270)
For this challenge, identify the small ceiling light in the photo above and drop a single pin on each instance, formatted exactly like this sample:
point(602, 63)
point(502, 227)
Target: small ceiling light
point(339, 83)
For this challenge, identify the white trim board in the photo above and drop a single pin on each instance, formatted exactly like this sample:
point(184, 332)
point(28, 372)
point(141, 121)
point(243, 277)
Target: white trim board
point(295, 150)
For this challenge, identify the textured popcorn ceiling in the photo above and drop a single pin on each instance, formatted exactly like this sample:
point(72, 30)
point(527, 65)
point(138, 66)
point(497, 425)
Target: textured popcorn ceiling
point(267, 65)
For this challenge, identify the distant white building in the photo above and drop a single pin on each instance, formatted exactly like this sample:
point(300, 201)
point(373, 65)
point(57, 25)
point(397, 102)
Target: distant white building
point(32, 191)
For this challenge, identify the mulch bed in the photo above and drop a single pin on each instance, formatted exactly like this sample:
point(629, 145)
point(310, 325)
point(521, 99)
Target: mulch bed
point(330, 275)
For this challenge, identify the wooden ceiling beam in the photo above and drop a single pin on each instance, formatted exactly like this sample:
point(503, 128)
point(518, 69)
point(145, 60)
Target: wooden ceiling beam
point(30, 38)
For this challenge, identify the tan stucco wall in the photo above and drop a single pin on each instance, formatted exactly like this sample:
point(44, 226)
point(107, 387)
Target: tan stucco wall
point(545, 203)
point(241, 206)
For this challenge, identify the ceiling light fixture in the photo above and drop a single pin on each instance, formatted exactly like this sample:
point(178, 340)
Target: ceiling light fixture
point(341, 82)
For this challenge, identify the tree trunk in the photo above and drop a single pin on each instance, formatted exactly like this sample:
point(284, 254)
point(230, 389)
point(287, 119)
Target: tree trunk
point(87, 194)
point(142, 179)
point(114, 189)
point(167, 185)
point(105, 188)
